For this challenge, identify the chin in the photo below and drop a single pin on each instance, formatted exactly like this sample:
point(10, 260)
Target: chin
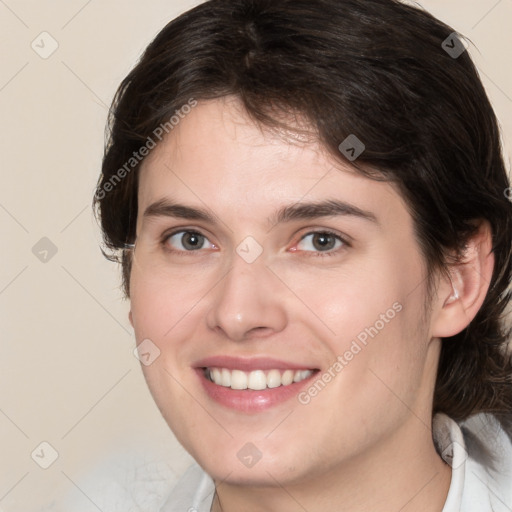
point(244, 463)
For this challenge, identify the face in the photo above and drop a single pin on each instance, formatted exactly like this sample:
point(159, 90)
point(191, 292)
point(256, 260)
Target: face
point(284, 294)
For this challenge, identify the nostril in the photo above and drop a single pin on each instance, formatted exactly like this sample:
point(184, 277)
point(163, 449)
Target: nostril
point(259, 332)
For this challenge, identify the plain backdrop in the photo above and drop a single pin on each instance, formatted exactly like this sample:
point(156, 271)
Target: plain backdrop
point(68, 376)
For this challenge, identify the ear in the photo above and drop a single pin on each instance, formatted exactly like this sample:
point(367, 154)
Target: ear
point(461, 295)
point(130, 317)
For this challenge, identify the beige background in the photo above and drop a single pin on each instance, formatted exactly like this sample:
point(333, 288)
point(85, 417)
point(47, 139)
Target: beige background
point(68, 376)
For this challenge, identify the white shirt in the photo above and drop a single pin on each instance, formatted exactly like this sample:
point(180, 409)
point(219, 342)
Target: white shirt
point(479, 452)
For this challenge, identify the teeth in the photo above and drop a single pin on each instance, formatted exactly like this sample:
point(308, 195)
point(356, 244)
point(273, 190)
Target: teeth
point(238, 380)
point(257, 379)
point(274, 379)
point(300, 375)
point(226, 378)
point(287, 377)
point(216, 375)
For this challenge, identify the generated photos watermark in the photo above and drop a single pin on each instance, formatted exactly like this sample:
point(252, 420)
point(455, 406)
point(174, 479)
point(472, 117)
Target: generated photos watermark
point(137, 156)
point(356, 346)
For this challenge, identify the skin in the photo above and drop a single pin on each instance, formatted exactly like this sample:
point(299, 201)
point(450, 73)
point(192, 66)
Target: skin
point(364, 442)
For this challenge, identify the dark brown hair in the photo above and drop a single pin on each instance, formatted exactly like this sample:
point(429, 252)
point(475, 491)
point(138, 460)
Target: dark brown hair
point(377, 69)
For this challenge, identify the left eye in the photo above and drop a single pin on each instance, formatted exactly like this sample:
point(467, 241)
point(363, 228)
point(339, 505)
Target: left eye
point(320, 241)
point(188, 241)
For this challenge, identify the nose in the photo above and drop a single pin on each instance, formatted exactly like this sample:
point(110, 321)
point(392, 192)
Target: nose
point(246, 303)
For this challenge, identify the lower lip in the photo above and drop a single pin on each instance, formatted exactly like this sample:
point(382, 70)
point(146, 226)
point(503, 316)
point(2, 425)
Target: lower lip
point(249, 400)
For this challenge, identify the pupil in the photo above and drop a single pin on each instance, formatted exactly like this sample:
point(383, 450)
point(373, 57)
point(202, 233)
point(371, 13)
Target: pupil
point(323, 241)
point(192, 241)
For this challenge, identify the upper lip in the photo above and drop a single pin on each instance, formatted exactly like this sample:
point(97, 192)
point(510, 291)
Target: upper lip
point(249, 363)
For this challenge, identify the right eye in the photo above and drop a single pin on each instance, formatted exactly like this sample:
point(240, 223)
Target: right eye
point(186, 241)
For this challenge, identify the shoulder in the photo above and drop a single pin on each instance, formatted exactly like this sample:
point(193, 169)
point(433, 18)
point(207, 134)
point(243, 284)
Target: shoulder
point(480, 454)
point(193, 492)
point(122, 482)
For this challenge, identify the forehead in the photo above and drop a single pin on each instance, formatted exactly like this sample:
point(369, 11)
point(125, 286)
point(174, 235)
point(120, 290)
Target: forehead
point(219, 158)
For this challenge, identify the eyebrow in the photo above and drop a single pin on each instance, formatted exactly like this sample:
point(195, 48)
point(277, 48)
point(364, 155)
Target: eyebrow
point(166, 208)
point(329, 208)
point(298, 211)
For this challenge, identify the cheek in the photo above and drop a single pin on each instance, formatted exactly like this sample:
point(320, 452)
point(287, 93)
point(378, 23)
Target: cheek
point(374, 378)
point(347, 300)
point(160, 305)
point(373, 314)
point(162, 312)
point(168, 312)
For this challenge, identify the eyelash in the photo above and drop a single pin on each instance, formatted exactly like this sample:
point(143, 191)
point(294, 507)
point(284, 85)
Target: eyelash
point(315, 254)
point(333, 252)
point(167, 236)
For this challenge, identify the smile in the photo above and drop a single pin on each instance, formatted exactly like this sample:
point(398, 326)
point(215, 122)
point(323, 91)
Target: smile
point(257, 379)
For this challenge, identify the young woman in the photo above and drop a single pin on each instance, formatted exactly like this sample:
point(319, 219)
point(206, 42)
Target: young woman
point(309, 202)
